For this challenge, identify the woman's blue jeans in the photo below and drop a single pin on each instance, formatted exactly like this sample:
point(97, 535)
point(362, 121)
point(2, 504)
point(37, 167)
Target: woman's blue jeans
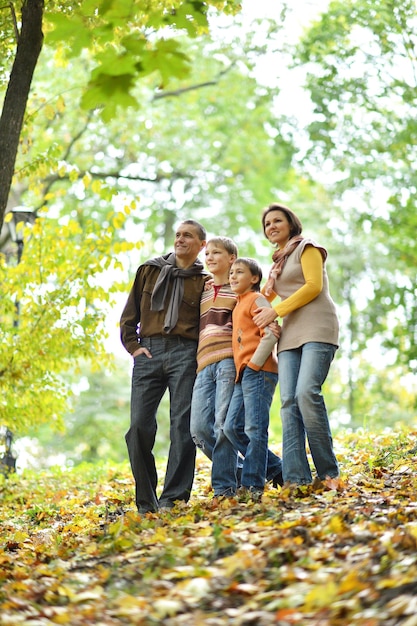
point(252, 397)
point(302, 372)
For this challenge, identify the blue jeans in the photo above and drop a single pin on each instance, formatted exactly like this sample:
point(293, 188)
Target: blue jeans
point(213, 390)
point(252, 397)
point(173, 366)
point(302, 372)
point(236, 434)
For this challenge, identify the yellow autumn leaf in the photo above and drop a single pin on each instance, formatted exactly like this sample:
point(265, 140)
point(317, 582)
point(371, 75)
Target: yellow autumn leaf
point(19, 537)
point(336, 525)
point(126, 601)
point(66, 591)
point(60, 104)
point(73, 175)
point(86, 180)
point(49, 112)
point(412, 529)
point(160, 534)
point(321, 596)
point(96, 186)
point(61, 615)
point(351, 582)
point(118, 220)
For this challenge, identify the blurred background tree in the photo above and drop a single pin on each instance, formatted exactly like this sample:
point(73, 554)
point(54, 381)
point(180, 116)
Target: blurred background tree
point(110, 140)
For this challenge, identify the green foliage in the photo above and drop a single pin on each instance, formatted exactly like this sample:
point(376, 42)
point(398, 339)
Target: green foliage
point(130, 41)
point(361, 67)
point(77, 27)
point(177, 126)
point(97, 421)
point(183, 153)
point(63, 293)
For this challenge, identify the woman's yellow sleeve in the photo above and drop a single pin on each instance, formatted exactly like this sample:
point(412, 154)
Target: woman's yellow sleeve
point(312, 266)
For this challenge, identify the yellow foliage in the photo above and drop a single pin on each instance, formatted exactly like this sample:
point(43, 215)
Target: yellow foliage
point(49, 112)
point(119, 220)
point(60, 104)
point(86, 180)
point(321, 596)
point(352, 582)
point(96, 186)
point(60, 57)
point(336, 524)
point(57, 324)
point(74, 541)
point(73, 175)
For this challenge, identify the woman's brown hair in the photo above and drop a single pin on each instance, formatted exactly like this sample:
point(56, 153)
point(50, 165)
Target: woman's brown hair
point(295, 225)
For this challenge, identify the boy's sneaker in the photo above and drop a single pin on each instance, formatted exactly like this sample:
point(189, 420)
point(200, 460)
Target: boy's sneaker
point(249, 494)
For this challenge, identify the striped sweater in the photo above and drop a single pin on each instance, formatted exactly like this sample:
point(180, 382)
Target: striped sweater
point(215, 338)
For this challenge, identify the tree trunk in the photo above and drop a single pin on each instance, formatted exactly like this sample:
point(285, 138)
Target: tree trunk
point(29, 46)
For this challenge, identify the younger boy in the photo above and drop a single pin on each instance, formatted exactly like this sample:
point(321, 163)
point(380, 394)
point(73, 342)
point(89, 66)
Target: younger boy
point(254, 352)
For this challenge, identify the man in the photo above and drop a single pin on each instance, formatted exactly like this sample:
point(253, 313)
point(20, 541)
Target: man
point(159, 328)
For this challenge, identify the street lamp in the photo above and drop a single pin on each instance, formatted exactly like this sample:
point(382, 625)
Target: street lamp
point(20, 216)
point(8, 460)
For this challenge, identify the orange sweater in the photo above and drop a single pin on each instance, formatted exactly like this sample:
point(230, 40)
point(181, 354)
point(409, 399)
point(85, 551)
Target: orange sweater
point(252, 346)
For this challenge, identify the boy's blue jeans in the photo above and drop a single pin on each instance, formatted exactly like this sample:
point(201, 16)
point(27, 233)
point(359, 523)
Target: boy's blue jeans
point(251, 401)
point(213, 391)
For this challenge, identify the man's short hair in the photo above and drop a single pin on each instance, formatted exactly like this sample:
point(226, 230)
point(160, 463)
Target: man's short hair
point(201, 231)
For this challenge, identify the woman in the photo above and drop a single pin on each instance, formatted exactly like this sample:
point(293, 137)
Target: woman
point(297, 288)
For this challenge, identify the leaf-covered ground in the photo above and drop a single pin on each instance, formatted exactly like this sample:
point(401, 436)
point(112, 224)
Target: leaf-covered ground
point(74, 550)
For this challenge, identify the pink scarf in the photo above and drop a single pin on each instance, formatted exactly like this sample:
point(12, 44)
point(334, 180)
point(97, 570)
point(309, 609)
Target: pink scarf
point(279, 258)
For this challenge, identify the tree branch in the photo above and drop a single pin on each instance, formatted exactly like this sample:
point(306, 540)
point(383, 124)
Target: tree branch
point(14, 20)
point(181, 90)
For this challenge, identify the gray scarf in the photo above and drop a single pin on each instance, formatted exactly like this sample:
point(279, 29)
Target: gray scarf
point(170, 272)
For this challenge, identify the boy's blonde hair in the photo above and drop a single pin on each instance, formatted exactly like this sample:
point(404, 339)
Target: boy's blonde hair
point(227, 243)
